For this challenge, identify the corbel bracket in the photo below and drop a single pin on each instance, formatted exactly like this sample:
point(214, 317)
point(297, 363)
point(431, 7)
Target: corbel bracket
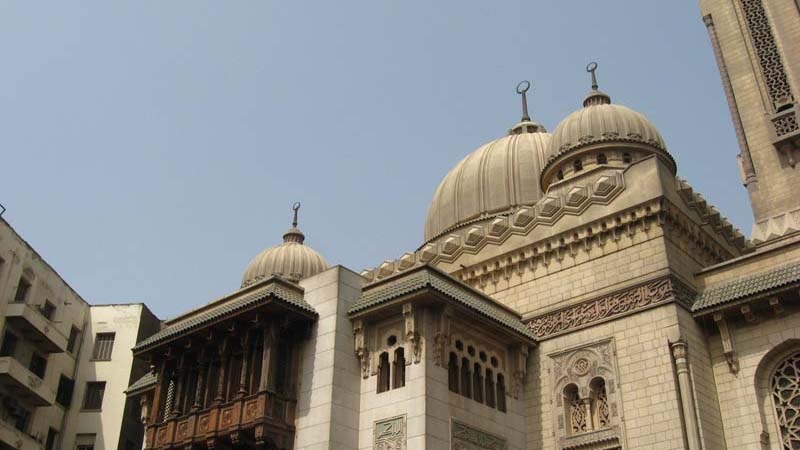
point(727, 342)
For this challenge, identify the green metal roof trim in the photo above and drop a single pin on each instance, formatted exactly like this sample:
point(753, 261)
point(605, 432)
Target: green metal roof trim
point(147, 381)
point(747, 286)
point(428, 277)
point(274, 287)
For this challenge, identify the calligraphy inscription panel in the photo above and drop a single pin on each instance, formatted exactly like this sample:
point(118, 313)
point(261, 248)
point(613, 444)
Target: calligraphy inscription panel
point(465, 437)
point(390, 434)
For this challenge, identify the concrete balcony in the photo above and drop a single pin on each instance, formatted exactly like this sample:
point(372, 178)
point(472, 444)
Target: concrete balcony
point(36, 328)
point(24, 385)
point(11, 438)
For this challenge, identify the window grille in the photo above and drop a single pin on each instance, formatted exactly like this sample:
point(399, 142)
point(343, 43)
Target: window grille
point(785, 385)
point(103, 345)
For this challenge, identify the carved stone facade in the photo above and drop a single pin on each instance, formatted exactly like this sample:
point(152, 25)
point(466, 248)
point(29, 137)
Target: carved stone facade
point(605, 308)
point(465, 437)
point(586, 404)
point(390, 434)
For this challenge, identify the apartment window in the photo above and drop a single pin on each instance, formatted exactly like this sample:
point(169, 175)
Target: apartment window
point(9, 344)
point(48, 310)
point(93, 400)
point(52, 437)
point(66, 386)
point(85, 441)
point(38, 365)
point(73, 339)
point(21, 418)
point(23, 288)
point(103, 344)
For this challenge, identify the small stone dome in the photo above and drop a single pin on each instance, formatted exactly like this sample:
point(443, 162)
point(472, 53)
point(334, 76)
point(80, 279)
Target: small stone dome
point(291, 260)
point(495, 179)
point(600, 126)
point(598, 123)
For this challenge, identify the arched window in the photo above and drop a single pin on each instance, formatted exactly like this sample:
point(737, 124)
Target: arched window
point(601, 159)
point(560, 175)
point(383, 372)
point(785, 387)
point(501, 392)
point(601, 413)
point(577, 165)
point(477, 383)
point(399, 372)
point(574, 411)
point(466, 380)
point(452, 373)
point(626, 158)
point(489, 388)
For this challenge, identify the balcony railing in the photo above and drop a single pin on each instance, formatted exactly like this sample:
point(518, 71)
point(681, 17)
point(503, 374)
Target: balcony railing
point(262, 418)
point(36, 327)
point(23, 384)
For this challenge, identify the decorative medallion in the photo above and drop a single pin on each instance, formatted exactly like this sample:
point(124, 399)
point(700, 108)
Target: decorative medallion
point(581, 366)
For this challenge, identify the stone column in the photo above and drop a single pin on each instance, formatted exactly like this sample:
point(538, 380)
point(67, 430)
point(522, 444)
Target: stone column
point(245, 365)
point(587, 406)
point(223, 368)
point(198, 393)
point(679, 353)
point(178, 391)
point(160, 392)
point(266, 358)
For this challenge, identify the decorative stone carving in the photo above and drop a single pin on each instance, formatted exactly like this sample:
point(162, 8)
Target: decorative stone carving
point(406, 261)
point(785, 386)
point(390, 434)
point(651, 293)
point(550, 206)
point(465, 437)
point(727, 342)
point(412, 336)
point(386, 269)
point(451, 244)
point(361, 347)
point(427, 253)
point(498, 226)
point(576, 196)
point(473, 236)
point(523, 217)
point(442, 338)
point(604, 185)
point(520, 355)
point(584, 382)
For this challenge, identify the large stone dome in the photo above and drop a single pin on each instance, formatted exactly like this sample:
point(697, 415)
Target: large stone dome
point(494, 179)
point(291, 260)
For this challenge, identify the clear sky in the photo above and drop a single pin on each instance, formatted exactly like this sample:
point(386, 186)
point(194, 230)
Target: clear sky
point(150, 149)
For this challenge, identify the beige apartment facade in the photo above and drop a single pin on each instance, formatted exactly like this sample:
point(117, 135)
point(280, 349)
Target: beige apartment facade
point(65, 364)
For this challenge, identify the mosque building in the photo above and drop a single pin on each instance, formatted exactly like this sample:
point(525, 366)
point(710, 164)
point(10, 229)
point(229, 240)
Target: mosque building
point(571, 292)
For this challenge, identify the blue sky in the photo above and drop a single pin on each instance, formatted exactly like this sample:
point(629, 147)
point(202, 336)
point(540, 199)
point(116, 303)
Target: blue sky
point(150, 149)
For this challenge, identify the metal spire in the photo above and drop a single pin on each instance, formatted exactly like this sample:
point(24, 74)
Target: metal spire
point(295, 208)
point(522, 89)
point(591, 68)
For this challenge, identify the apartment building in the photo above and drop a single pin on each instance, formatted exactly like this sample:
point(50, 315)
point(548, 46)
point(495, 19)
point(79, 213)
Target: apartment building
point(64, 364)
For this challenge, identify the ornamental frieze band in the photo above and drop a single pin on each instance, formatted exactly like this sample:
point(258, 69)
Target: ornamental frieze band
point(654, 292)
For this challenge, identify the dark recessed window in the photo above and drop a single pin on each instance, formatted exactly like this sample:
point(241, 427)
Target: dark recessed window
point(103, 345)
point(626, 158)
point(38, 365)
point(577, 165)
point(93, 400)
point(9, 344)
point(66, 386)
point(52, 436)
point(391, 341)
point(23, 288)
point(73, 339)
point(560, 175)
point(48, 310)
point(601, 159)
point(459, 345)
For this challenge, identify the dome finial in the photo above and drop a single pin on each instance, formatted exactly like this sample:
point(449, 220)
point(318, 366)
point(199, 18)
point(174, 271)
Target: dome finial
point(295, 208)
point(522, 89)
point(591, 68)
point(294, 234)
point(595, 97)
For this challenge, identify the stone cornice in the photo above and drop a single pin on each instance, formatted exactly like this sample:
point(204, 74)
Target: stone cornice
point(646, 295)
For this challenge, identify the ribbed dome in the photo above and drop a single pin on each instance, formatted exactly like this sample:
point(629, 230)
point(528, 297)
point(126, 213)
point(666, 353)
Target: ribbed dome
point(603, 123)
point(494, 179)
point(291, 260)
point(600, 121)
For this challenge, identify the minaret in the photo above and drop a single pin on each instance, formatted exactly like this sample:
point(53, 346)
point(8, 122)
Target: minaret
point(757, 47)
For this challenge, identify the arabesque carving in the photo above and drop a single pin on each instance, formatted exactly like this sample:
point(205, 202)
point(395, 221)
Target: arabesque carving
point(465, 437)
point(390, 434)
point(651, 293)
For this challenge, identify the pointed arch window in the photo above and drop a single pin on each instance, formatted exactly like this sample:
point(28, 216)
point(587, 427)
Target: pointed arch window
point(383, 372)
point(466, 379)
point(601, 413)
point(785, 387)
point(577, 165)
point(490, 388)
point(399, 372)
point(601, 159)
point(501, 392)
point(477, 383)
point(452, 373)
point(574, 411)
